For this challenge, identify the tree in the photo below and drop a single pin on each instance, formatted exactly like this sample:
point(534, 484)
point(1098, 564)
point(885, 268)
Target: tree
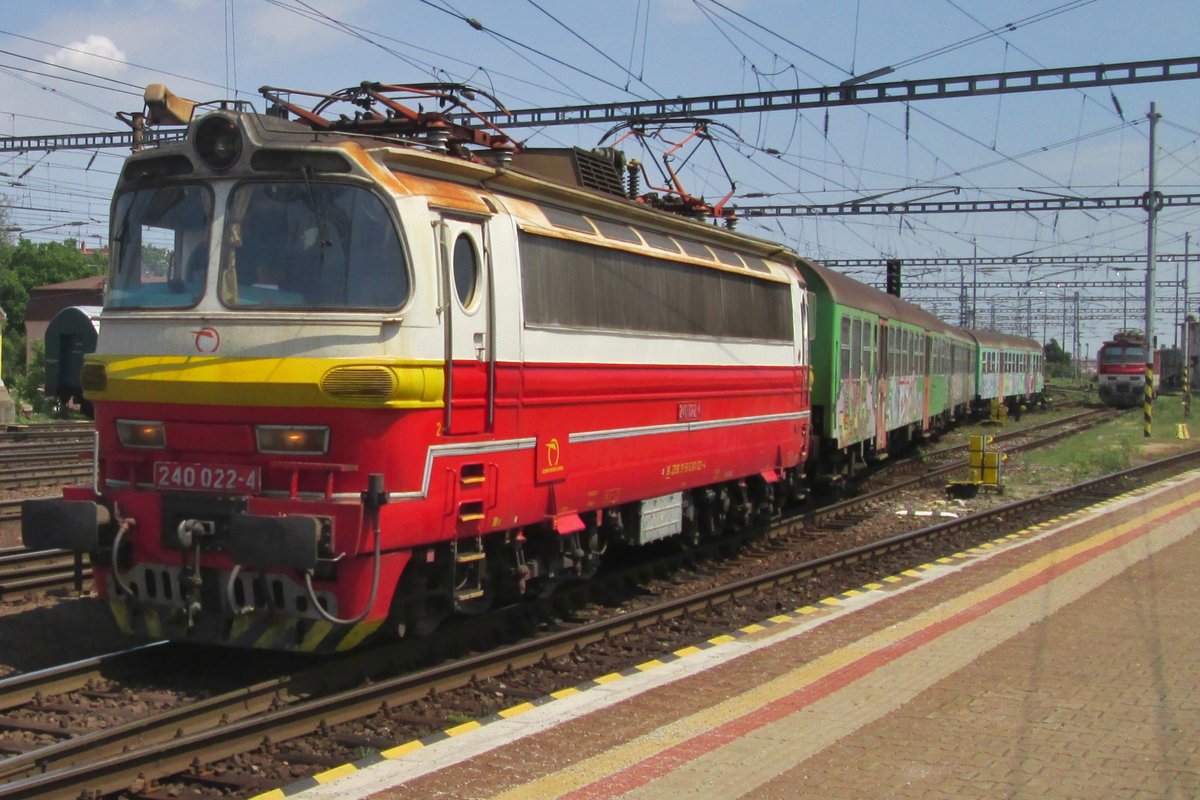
point(1059, 363)
point(1055, 353)
point(26, 265)
point(6, 232)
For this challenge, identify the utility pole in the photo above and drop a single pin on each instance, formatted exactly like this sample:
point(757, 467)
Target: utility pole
point(975, 285)
point(1075, 346)
point(1064, 342)
point(1175, 336)
point(962, 298)
point(1152, 203)
point(1187, 333)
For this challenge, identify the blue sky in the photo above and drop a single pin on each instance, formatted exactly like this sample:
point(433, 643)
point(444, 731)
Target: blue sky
point(552, 52)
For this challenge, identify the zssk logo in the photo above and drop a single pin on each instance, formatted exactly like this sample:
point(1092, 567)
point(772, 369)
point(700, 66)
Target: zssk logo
point(208, 340)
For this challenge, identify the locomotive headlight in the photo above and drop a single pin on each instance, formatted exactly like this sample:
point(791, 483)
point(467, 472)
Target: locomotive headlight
point(140, 433)
point(292, 439)
point(218, 142)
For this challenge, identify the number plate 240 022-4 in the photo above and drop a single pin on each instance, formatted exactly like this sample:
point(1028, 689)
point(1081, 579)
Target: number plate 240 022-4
point(191, 477)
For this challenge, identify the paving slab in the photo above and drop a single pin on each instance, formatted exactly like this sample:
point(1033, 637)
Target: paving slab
point(1061, 661)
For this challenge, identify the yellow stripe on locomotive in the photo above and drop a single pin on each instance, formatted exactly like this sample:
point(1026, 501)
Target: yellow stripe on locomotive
point(289, 382)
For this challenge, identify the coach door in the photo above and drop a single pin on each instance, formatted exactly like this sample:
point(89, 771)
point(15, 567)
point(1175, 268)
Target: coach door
point(466, 310)
point(886, 380)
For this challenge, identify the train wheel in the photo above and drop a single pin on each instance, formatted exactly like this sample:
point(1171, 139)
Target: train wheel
point(595, 545)
point(713, 511)
point(422, 599)
point(690, 534)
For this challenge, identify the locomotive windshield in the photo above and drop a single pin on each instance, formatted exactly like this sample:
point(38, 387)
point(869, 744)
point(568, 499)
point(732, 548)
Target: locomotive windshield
point(285, 244)
point(311, 245)
point(1128, 354)
point(160, 247)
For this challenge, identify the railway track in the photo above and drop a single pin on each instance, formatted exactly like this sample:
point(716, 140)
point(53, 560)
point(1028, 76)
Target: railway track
point(187, 742)
point(34, 476)
point(46, 432)
point(44, 455)
point(938, 465)
point(57, 569)
point(23, 570)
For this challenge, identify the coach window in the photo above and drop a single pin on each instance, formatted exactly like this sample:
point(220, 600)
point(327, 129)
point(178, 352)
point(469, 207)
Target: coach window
point(891, 348)
point(659, 241)
point(856, 346)
point(614, 230)
point(695, 249)
point(873, 364)
point(727, 257)
point(571, 220)
point(466, 270)
point(845, 362)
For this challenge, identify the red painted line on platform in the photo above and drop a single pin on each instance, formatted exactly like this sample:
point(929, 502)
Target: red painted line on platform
point(672, 758)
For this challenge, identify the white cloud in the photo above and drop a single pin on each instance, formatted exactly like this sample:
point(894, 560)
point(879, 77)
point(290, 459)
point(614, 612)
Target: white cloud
point(83, 55)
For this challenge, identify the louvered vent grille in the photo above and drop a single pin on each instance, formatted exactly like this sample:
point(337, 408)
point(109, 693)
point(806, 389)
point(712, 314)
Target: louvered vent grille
point(596, 172)
point(359, 383)
point(93, 378)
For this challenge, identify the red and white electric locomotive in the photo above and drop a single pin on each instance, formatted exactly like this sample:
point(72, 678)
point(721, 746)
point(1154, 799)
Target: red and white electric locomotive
point(1121, 364)
point(359, 374)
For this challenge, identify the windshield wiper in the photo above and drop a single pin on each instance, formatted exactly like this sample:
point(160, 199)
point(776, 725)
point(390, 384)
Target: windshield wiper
point(322, 234)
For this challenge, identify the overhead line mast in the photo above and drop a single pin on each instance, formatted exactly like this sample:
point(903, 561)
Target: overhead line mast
point(1038, 80)
point(1174, 69)
point(1010, 261)
point(963, 206)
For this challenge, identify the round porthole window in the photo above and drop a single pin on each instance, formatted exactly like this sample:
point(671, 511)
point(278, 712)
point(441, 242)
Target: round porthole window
point(466, 270)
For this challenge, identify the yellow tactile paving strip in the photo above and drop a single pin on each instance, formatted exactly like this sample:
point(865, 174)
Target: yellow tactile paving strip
point(679, 733)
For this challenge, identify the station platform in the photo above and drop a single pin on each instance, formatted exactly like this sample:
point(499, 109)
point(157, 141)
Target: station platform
point(1061, 661)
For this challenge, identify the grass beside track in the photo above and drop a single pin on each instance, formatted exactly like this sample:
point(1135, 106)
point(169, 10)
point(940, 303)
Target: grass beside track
point(1119, 444)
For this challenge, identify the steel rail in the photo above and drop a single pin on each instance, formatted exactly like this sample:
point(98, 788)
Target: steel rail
point(1075, 424)
point(22, 689)
point(29, 477)
point(23, 570)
